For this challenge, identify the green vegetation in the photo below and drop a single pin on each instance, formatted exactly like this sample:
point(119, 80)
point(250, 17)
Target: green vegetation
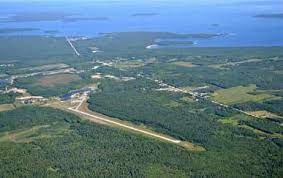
point(6, 107)
point(131, 44)
point(167, 90)
point(184, 64)
point(136, 102)
point(35, 50)
point(129, 64)
point(273, 106)
point(54, 143)
point(53, 80)
point(239, 94)
point(53, 85)
point(231, 121)
point(8, 98)
point(198, 122)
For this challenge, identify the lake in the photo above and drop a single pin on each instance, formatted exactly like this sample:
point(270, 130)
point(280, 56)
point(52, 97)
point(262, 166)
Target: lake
point(234, 18)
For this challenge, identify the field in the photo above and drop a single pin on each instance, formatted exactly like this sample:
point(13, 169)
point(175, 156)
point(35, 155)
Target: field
point(53, 80)
point(240, 94)
point(6, 107)
point(23, 136)
point(53, 85)
point(129, 64)
point(45, 67)
point(264, 114)
point(184, 64)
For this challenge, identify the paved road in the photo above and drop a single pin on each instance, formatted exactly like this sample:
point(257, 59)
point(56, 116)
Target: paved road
point(72, 46)
point(126, 126)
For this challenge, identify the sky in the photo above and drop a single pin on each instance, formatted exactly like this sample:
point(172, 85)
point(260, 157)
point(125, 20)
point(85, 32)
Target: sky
point(196, 1)
point(151, 1)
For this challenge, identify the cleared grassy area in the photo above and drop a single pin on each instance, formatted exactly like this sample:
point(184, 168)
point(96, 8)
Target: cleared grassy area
point(229, 121)
point(33, 133)
point(228, 64)
point(46, 67)
point(239, 94)
point(187, 99)
point(129, 64)
point(172, 104)
point(53, 80)
point(264, 114)
point(263, 128)
point(184, 64)
point(6, 107)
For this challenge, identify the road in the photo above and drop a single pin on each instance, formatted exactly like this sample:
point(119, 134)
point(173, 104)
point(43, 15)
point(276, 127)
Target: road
point(81, 102)
point(104, 119)
point(173, 88)
point(72, 46)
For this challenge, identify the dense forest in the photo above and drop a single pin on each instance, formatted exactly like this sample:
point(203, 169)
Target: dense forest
point(8, 98)
point(184, 118)
point(45, 142)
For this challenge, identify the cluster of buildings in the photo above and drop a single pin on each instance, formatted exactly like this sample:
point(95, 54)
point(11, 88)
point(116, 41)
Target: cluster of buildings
point(76, 93)
point(32, 100)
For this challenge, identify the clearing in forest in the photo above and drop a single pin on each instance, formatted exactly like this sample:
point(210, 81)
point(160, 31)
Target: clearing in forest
point(6, 107)
point(264, 114)
point(185, 64)
point(53, 80)
point(29, 134)
point(129, 64)
point(240, 94)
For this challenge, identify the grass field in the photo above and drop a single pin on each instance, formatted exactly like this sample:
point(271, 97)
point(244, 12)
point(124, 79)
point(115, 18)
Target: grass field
point(36, 132)
point(227, 64)
point(239, 94)
point(129, 64)
point(53, 80)
point(184, 64)
point(230, 121)
point(46, 67)
point(264, 114)
point(6, 107)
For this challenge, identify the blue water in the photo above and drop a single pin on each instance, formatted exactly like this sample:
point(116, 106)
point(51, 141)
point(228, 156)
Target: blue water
point(180, 16)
